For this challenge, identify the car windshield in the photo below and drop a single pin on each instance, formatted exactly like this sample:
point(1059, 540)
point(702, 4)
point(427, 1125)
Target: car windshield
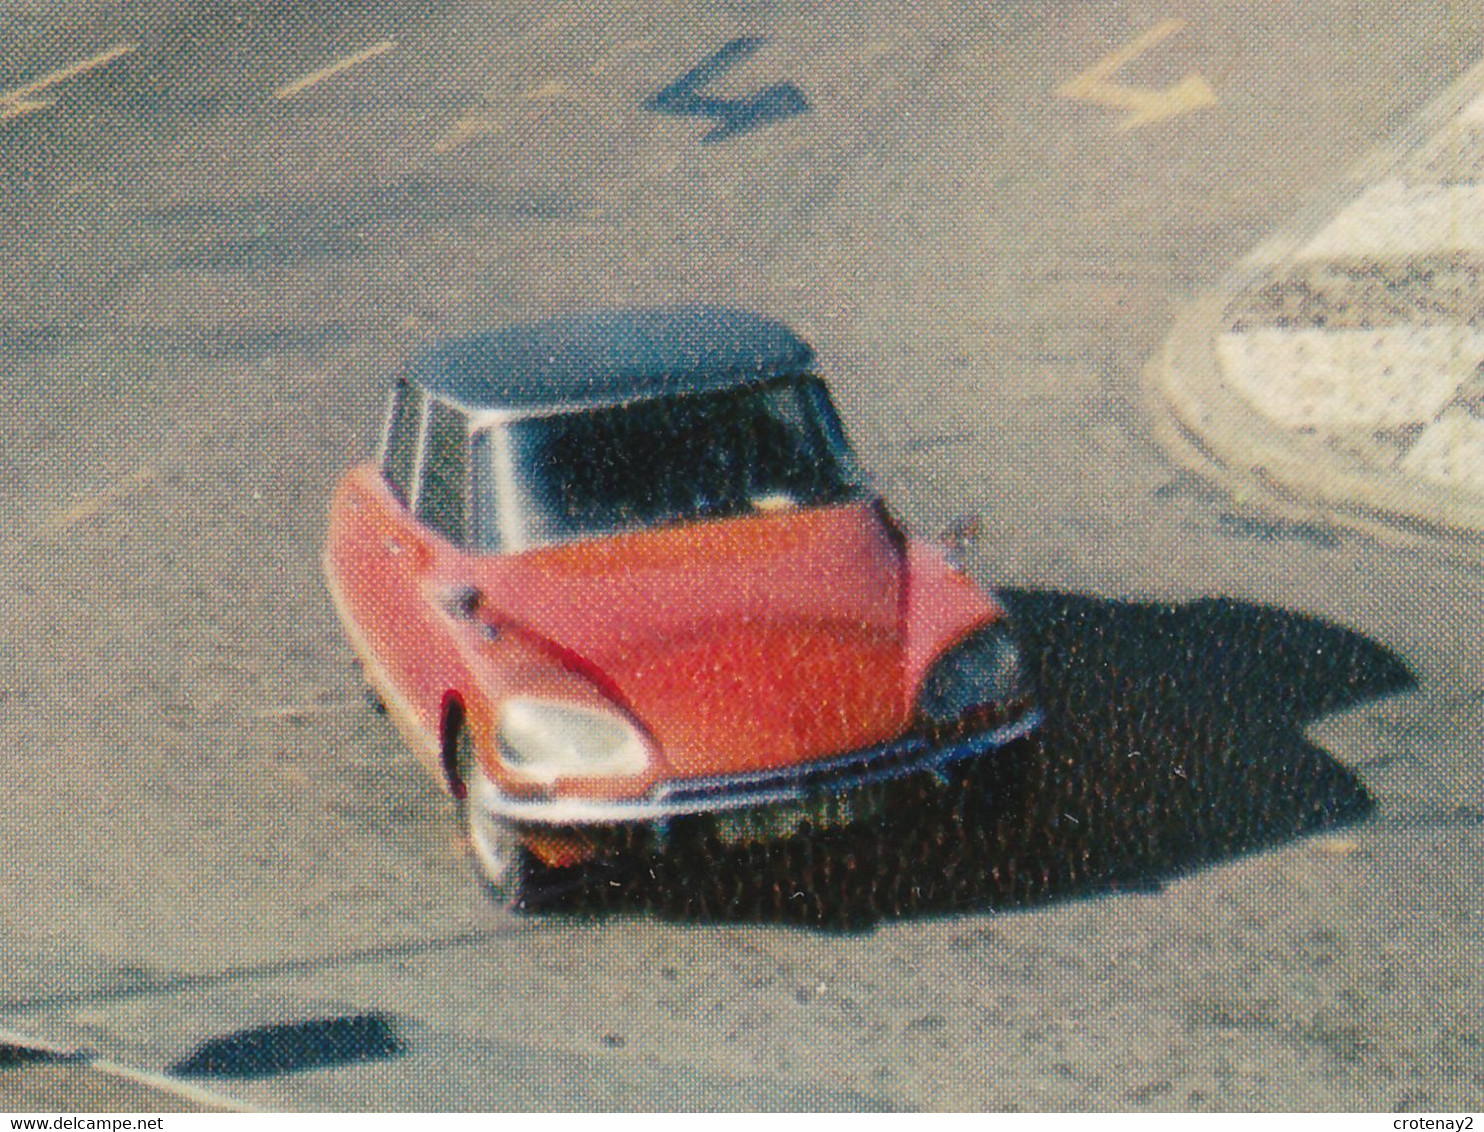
point(574, 475)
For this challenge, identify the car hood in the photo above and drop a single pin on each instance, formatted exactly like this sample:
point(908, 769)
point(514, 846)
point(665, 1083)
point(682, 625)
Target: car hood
point(740, 644)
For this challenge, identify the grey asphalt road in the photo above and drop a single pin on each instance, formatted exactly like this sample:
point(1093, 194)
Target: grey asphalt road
point(1242, 871)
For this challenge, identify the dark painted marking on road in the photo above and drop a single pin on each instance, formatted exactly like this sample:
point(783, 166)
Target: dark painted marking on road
point(1272, 530)
point(683, 97)
point(11, 1055)
point(268, 1051)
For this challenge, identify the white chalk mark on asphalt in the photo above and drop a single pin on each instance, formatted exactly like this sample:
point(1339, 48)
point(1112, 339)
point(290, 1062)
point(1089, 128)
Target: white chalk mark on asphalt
point(14, 103)
point(314, 78)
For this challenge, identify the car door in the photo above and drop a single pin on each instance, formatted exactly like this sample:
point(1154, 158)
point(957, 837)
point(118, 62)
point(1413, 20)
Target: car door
point(387, 546)
point(436, 527)
point(379, 558)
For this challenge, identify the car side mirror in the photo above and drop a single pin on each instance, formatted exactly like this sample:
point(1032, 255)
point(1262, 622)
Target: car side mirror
point(960, 534)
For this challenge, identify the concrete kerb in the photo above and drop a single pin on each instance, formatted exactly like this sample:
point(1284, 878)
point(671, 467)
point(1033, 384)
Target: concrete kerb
point(1209, 429)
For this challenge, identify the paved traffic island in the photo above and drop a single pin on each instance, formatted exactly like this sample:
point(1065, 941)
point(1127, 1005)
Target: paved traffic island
point(1338, 374)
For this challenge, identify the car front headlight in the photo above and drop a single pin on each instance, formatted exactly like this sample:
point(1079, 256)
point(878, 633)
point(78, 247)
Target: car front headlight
point(541, 741)
point(980, 680)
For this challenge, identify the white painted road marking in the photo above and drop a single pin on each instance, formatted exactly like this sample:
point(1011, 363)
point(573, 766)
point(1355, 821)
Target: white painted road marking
point(1450, 452)
point(1145, 106)
point(14, 103)
point(90, 506)
point(1346, 379)
point(83, 509)
point(1394, 218)
point(315, 77)
point(477, 122)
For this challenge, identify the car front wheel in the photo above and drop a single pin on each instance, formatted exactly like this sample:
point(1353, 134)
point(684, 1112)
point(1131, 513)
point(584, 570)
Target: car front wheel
point(494, 842)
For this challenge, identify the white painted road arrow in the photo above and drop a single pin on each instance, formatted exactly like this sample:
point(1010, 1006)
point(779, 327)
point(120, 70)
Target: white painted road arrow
point(1145, 106)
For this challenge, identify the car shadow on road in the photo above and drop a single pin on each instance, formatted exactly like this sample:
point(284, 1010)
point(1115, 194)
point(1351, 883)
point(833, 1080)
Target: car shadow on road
point(1173, 739)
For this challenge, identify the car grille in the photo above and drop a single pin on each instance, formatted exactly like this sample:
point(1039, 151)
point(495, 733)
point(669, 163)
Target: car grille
point(843, 772)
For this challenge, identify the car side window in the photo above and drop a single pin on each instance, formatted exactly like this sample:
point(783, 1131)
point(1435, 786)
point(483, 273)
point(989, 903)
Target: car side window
point(445, 472)
point(484, 506)
point(399, 450)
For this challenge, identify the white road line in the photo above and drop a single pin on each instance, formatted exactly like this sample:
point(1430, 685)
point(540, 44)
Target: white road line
point(470, 126)
point(1394, 218)
point(186, 1090)
point(94, 503)
point(14, 103)
point(315, 77)
point(84, 508)
point(174, 1085)
point(1335, 380)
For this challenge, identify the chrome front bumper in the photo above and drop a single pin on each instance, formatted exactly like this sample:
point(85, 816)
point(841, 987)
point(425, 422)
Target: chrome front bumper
point(888, 762)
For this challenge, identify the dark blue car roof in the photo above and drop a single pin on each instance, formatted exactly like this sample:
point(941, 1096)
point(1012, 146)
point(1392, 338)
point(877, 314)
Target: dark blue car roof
point(607, 357)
